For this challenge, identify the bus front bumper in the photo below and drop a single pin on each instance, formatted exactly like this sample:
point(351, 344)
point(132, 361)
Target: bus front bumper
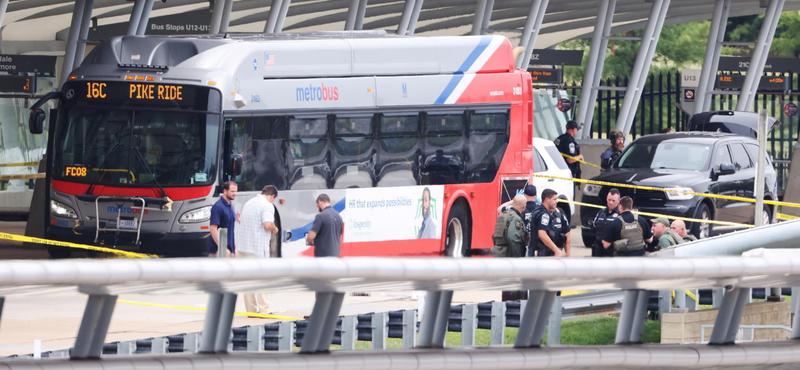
point(162, 244)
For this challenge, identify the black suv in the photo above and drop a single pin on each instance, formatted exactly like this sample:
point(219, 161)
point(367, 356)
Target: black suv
point(704, 162)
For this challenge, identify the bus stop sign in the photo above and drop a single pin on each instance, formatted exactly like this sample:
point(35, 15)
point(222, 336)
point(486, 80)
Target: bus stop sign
point(564, 105)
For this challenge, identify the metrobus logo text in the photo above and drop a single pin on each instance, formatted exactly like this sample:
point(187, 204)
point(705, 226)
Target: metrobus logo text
point(136, 211)
point(317, 93)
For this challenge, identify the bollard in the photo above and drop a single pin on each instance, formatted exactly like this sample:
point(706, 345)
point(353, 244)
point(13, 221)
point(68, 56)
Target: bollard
point(498, 329)
point(349, 333)
point(255, 338)
point(554, 324)
point(286, 335)
point(222, 246)
point(409, 328)
point(379, 320)
point(469, 324)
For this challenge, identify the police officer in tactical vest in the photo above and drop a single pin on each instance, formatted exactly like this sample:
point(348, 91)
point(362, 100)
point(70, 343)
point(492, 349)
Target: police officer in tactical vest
point(566, 144)
point(543, 234)
point(628, 234)
point(601, 222)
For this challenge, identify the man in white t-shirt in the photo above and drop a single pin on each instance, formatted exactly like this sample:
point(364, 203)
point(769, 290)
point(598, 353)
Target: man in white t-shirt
point(254, 237)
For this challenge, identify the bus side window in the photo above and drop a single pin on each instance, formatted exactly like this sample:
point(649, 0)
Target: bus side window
point(487, 143)
point(443, 147)
point(353, 145)
point(261, 141)
point(309, 160)
point(399, 150)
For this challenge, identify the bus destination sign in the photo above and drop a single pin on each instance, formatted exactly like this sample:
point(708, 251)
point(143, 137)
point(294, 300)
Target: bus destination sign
point(546, 76)
point(767, 83)
point(133, 91)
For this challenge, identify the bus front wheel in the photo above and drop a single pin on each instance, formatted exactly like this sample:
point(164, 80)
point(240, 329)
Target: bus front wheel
point(457, 238)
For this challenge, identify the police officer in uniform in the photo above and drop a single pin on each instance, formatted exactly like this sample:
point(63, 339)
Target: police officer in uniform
point(566, 144)
point(601, 221)
point(628, 234)
point(543, 233)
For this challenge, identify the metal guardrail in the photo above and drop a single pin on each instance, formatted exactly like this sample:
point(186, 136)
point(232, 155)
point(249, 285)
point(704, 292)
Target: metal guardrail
point(751, 327)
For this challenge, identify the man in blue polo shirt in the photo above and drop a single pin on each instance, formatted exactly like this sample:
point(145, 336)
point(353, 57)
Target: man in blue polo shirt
point(223, 216)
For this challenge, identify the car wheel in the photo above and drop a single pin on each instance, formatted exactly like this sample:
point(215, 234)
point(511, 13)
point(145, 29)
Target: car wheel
point(457, 239)
point(702, 230)
point(766, 216)
point(588, 241)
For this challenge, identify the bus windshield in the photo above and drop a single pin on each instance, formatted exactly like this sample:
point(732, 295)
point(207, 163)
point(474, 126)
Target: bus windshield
point(136, 147)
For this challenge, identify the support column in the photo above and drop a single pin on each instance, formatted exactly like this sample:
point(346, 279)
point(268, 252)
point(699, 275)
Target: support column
point(725, 314)
point(477, 22)
point(544, 318)
point(528, 317)
point(738, 312)
point(226, 17)
point(72, 41)
point(405, 17)
point(626, 317)
point(795, 320)
point(272, 17)
point(144, 20)
point(136, 16)
point(638, 317)
point(412, 25)
point(329, 325)
point(594, 66)
point(442, 316)
point(216, 15)
point(2, 302)
point(716, 35)
point(760, 54)
point(3, 7)
point(432, 299)
point(362, 12)
point(352, 12)
point(531, 31)
point(282, 16)
point(94, 326)
point(211, 324)
point(86, 20)
point(315, 324)
point(641, 66)
point(225, 323)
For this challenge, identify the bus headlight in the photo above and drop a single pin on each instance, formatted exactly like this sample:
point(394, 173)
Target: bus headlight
point(591, 190)
point(196, 215)
point(679, 193)
point(62, 210)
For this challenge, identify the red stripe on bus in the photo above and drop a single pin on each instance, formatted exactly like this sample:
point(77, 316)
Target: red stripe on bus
point(175, 194)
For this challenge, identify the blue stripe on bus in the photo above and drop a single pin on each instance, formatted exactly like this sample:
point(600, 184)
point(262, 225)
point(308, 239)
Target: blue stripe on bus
point(300, 232)
point(473, 56)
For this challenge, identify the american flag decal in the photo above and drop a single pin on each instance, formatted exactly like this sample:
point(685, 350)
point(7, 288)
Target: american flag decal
point(269, 59)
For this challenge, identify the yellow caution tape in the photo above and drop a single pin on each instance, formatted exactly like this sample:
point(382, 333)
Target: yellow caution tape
point(689, 294)
point(655, 215)
point(580, 160)
point(28, 239)
point(251, 314)
point(23, 177)
point(26, 164)
point(707, 195)
point(785, 217)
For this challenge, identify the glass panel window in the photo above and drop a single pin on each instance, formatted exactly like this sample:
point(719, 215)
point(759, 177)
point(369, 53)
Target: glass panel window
point(723, 156)
point(261, 141)
point(487, 143)
point(740, 158)
point(444, 147)
point(538, 162)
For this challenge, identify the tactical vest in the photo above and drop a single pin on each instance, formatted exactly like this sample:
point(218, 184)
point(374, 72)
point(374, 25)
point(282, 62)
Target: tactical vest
point(500, 226)
point(632, 232)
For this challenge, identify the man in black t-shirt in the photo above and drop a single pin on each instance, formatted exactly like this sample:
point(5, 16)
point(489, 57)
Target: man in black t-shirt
point(326, 232)
point(627, 227)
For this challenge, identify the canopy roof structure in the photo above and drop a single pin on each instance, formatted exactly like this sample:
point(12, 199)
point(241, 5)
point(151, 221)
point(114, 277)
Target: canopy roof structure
point(42, 26)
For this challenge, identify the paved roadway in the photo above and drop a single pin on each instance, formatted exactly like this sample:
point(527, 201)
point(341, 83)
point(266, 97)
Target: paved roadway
point(54, 319)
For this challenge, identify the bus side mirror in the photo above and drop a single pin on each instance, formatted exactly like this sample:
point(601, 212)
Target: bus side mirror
point(235, 163)
point(36, 121)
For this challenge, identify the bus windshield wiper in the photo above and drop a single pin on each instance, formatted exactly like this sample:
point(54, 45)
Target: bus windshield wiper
point(100, 169)
point(141, 159)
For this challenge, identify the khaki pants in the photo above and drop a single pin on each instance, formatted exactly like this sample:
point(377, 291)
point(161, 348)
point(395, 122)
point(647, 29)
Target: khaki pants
point(256, 303)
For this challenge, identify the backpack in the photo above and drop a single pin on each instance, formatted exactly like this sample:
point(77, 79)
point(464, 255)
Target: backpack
point(500, 245)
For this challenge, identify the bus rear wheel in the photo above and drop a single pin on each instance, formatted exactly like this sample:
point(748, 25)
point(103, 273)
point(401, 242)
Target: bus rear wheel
point(457, 239)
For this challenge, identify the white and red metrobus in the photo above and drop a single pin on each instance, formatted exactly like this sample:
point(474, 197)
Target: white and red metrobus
point(416, 140)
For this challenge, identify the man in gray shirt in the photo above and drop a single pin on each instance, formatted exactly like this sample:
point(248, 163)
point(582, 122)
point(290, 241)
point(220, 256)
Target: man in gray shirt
point(326, 233)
